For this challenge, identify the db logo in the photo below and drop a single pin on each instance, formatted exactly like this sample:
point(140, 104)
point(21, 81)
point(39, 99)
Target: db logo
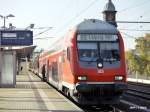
point(100, 71)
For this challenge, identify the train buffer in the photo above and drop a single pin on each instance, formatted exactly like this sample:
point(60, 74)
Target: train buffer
point(32, 95)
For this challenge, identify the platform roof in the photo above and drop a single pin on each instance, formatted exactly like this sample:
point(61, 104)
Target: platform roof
point(24, 51)
point(21, 51)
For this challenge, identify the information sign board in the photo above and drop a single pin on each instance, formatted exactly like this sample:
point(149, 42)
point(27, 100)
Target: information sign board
point(16, 37)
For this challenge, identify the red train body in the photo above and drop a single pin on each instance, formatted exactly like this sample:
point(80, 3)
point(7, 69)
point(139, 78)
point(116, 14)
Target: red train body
point(89, 66)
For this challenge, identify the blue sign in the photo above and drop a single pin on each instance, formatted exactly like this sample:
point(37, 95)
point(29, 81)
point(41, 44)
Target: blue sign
point(16, 37)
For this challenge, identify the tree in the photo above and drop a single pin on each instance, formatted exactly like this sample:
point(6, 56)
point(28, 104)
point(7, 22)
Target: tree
point(138, 60)
point(132, 62)
point(143, 51)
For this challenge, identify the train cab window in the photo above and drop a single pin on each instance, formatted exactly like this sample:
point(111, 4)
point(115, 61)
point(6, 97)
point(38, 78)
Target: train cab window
point(87, 52)
point(109, 51)
point(94, 47)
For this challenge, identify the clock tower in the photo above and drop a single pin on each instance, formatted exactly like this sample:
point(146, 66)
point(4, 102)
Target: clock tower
point(109, 13)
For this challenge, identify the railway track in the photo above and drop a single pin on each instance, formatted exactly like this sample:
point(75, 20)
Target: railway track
point(139, 90)
point(140, 94)
point(101, 108)
point(139, 84)
point(136, 98)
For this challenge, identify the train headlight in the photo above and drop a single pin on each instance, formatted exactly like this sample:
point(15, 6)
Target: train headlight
point(118, 78)
point(82, 78)
point(99, 65)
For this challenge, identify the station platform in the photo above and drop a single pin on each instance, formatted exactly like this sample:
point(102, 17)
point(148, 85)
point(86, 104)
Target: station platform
point(33, 95)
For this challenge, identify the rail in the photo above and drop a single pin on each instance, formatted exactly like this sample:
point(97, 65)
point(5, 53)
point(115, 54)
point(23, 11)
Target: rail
point(139, 90)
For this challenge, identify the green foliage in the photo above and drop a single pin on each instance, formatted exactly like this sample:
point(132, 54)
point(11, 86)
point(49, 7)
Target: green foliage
point(132, 62)
point(139, 60)
point(148, 68)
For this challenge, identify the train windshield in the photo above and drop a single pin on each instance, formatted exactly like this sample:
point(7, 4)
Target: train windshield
point(92, 47)
point(87, 51)
point(109, 52)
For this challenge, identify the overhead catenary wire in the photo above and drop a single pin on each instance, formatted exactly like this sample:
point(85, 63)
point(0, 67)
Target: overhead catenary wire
point(85, 9)
point(132, 7)
point(135, 5)
point(49, 28)
point(133, 22)
point(43, 38)
point(40, 28)
point(128, 35)
point(135, 29)
point(76, 16)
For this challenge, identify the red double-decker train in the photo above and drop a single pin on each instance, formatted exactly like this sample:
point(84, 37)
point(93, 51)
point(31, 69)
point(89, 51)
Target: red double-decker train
point(88, 64)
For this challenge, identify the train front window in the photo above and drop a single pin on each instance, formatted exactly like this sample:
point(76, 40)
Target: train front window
point(109, 51)
point(87, 51)
point(94, 47)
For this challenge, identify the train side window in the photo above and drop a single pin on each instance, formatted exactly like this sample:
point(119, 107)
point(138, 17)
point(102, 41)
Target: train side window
point(68, 54)
point(63, 58)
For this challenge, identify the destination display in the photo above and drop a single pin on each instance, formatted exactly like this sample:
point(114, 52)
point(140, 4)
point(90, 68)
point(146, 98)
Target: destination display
point(9, 35)
point(96, 37)
point(16, 37)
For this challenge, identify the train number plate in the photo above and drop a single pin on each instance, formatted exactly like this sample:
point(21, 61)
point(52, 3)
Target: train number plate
point(100, 70)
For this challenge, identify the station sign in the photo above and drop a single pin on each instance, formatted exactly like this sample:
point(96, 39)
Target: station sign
point(16, 37)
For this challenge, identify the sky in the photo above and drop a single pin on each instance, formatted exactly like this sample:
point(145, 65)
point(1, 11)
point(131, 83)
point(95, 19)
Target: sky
point(61, 15)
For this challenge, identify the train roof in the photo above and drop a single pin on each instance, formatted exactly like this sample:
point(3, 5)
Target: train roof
point(95, 26)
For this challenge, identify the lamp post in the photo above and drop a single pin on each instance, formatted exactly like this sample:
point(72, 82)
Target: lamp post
point(6, 17)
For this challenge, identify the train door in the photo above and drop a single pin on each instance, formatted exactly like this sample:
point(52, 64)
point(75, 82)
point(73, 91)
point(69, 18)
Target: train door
point(50, 73)
point(55, 72)
point(60, 71)
point(47, 71)
point(40, 68)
